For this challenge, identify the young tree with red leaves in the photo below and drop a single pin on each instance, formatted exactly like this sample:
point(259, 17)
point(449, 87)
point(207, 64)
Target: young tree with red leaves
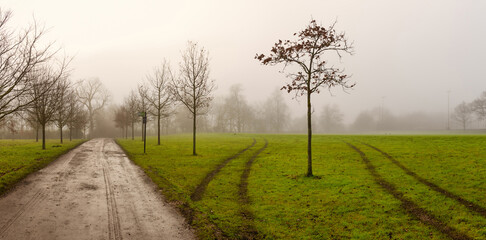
point(307, 52)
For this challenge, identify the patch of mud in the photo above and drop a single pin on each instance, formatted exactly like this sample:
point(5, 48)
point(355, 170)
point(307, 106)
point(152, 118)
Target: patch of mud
point(117, 153)
point(78, 159)
point(468, 204)
point(26, 182)
point(87, 186)
point(411, 207)
point(201, 188)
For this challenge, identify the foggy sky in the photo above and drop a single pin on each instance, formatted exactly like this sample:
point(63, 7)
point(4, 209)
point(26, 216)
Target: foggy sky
point(409, 52)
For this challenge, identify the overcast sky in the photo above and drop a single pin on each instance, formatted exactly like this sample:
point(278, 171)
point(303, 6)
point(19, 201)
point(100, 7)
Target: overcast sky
point(409, 52)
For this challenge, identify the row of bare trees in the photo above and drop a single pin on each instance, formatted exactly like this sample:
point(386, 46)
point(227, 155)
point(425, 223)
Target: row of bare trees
point(192, 87)
point(35, 85)
point(464, 113)
point(32, 78)
point(233, 113)
point(164, 87)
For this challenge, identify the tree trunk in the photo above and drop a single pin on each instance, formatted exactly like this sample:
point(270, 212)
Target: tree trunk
point(309, 132)
point(91, 127)
point(133, 136)
point(70, 134)
point(43, 136)
point(158, 129)
point(194, 133)
point(37, 133)
point(60, 129)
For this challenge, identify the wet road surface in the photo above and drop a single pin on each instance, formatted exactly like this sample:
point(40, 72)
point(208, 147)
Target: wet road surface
point(92, 192)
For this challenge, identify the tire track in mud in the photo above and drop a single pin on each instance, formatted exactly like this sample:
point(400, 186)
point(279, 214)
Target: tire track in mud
point(248, 230)
point(411, 207)
point(114, 228)
point(468, 204)
point(36, 198)
point(201, 188)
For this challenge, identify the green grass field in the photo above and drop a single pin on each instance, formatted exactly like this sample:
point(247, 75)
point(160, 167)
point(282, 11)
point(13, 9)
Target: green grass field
point(378, 187)
point(18, 158)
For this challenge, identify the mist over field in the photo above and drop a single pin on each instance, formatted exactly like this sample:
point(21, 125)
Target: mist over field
point(413, 62)
point(242, 119)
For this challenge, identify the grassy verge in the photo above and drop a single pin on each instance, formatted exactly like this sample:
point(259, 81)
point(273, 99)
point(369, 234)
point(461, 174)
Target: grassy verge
point(18, 158)
point(342, 201)
point(173, 168)
point(455, 164)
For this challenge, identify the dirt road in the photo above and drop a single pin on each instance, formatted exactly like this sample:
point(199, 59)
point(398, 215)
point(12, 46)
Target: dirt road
point(92, 192)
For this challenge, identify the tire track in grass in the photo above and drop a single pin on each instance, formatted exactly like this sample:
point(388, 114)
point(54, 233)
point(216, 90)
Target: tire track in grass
point(201, 188)
point(248, 230)
point(468, 204)
point(411, 207)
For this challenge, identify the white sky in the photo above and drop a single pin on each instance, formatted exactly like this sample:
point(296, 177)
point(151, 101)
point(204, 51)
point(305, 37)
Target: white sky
point(410, 52)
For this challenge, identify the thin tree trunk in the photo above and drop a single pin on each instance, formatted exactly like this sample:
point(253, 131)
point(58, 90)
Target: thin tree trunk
point(309, 132)
point(70, 134)
point(61, 134)
point(194, 134)
point(43, 136)
point(158, 128)
point(194, 122)
point(91, 127)
point(133, 136)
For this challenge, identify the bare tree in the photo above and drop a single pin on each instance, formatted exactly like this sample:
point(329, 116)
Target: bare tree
point(61, 116)
point(12, 125)
point(462, 114)
point(131, 103)
point(20, 53)
point(237, 109)
point(478, 106)
point(331, 118)
point(122, 119)
point(307, 52)
point(76, 115)
point(45, 98)
point(220, 115)
point(160, 97)
point(94, 96)
point(32, 123)
point(192, 87)
point(364, 122)
point(143, 103)
point(276, 112)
